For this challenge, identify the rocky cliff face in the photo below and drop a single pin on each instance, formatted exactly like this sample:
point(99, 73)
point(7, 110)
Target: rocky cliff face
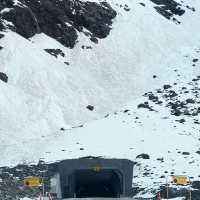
point(60, 20)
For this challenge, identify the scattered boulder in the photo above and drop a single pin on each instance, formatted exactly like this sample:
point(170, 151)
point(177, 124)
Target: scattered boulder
point(192, 101)
point(173, 192)
point(160, 159)
point(3, 77)
point(191, 8)
point(166, 86)
point(181, 121)
point(185, 153)
point(94, 39)
point(126, 8)
point(67, 63)
point(198, 152)
point(145, 105)
point(90, 107)
point(55, 52)
point(195, 60)
point(142, 4)
point(143, 156)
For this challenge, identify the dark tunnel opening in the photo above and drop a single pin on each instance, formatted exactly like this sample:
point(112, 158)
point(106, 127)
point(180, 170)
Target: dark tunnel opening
point(103, 183)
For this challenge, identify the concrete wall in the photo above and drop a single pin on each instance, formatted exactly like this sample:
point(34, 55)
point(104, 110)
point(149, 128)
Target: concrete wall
point(67, 168)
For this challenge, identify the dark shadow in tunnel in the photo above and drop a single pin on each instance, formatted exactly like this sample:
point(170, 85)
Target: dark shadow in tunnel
point(103, 183)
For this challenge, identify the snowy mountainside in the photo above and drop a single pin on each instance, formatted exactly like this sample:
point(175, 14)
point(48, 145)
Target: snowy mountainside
point(147, 59)
point(159, 131)
point(90, 73)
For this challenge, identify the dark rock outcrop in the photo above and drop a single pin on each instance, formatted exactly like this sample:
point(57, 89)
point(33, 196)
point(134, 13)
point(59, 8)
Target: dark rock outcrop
point(24, 22)
point(59, 19)
point(168, 9)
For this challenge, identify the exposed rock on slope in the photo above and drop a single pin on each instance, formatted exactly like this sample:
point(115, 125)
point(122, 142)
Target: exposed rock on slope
point(59, 19)
point(170, 9)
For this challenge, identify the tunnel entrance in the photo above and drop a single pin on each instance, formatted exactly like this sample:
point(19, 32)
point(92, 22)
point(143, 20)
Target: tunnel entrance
point(103, 183)
point(93, 177)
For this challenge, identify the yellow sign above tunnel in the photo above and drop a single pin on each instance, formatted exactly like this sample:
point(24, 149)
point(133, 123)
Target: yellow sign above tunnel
point(97, 168)
point(33, 181)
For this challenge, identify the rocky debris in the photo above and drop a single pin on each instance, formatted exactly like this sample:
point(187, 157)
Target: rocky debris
point(198, 152)
point(126, 8)
point(12, 186)
point(142, 4)
point(181, 121)
point(166, 87)
point(185, 153)
point(196, 185)
point(143, 156)
point(173, 192)
point(55, 52)
point(195, 60)
point(90, 107)
point(168, 9)
point(191, 8)
point(145, 105)
point(160, 159)
point(67, 63)
point(177, 100)
point(3, 77)
point(59, 19)
point(94, 39)
point(86, 47)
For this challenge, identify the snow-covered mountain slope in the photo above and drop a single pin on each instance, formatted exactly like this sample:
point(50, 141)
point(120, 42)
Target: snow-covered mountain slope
point(46, 89)
point(51, 94)
point(162, 135)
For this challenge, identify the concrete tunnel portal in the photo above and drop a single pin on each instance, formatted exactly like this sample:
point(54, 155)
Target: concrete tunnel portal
point(94, 177)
